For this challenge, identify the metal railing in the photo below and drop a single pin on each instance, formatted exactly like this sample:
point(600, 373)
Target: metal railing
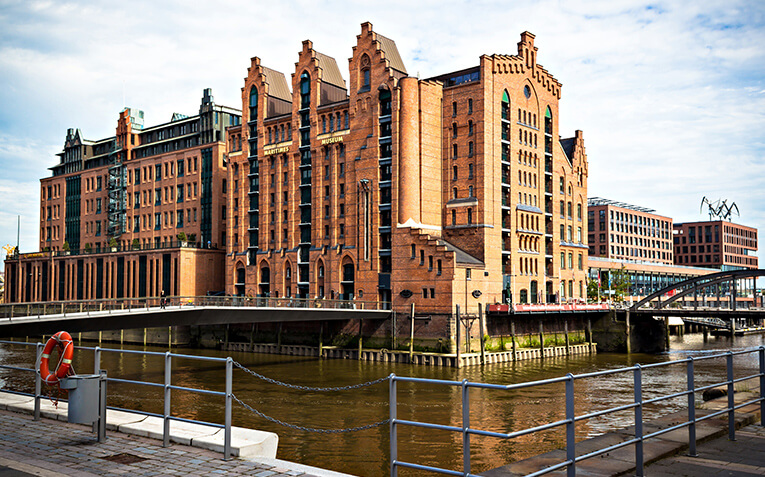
point(109, 305)
point(571, 419)
point(167, 387)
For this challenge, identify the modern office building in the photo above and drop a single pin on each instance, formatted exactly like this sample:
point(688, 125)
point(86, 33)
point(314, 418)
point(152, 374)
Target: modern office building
point(132, 214)
point(622, 231)
point(455, 189)
point(716, 244)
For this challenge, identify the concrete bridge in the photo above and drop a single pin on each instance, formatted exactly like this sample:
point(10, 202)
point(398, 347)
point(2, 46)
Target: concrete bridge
point(123, 314)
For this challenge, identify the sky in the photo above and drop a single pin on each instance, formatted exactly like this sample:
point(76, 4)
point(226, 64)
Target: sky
point(670, 95)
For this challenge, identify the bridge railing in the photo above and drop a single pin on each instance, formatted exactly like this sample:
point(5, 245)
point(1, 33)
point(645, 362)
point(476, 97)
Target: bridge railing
point(570, 418)
point(107, 305)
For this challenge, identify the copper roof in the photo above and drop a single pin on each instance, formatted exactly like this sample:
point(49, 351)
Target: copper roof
point(388, 47)
point(277, 84)
point(330, 71)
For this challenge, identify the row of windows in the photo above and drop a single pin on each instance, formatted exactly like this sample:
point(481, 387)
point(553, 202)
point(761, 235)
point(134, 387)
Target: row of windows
point(455, 172)
point(640, 242)
point(165, 170)
point(469, 107)
point(145, 197)
point(455, 129)
point(279, 133)
point(93, 206)
point(631, 253)
point(413, 256)
point(469, 214)
point(53, 192)
point(178, 218)
point(570, 261)
point(94, 183)
point(565, 209)
point(566, 234)
point(51, 212)
point(455, 150)
point(333, 121)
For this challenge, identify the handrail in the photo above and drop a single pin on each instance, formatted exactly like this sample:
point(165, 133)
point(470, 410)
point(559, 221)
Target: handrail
point(571, 418)
point(166, 385)
point(179, 302)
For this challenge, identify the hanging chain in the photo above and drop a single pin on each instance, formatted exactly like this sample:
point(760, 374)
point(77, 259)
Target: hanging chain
point(308, 429)
point(309, 388)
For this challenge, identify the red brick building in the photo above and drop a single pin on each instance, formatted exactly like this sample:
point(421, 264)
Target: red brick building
point(716, 244)
point(132, 214)
point(441, 191)
point(456, 189)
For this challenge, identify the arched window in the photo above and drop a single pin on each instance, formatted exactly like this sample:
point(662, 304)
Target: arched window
point(454, 129)
point(364, 73)
point(385, 102)
point(305, 90)
point(253, 104)
point(470, 128)
point(345, 119)
point(505, 106)
point(470, 149)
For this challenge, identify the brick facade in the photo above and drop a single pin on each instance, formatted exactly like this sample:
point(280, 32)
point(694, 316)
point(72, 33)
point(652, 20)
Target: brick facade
point(410, 194)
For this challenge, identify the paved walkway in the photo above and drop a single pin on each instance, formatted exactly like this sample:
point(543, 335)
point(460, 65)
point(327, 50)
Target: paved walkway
point(743, 457)
point(50, 448)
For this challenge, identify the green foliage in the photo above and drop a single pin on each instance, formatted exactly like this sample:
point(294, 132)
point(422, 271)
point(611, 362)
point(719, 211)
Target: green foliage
point(88, 247)
point(182, 236)
point(136, 244)
point(592, 290)
point(66, 246)
point(620, 283)
point(112, 242)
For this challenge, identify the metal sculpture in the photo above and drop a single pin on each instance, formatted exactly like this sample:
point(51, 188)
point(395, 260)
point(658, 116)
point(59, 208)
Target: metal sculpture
point(719, 208)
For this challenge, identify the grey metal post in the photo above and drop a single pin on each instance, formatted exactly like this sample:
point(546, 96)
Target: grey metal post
point(321, 340)
point(691, 410)
point(166, 417)
point(629, 332)
point(589, 334)
point(465, 427)
point(38, 381)
point(639, 421)
point(97, 360)
point(570, 427)
point(459, 325)
point(393, 433)
point(731, 400)
point(762, 385)
point(411, 334)
point(481, 331)
point(361, 326)
point(229, 390)
point(101, 433)
point(733, 295)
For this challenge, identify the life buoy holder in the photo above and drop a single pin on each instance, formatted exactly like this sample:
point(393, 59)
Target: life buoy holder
point(63, 341)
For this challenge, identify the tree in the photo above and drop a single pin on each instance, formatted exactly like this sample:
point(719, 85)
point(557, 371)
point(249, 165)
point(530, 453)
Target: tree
point(620, 283)
point(592, 290)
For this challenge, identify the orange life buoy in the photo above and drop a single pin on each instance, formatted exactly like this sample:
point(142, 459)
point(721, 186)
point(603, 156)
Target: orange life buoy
point(63, 341)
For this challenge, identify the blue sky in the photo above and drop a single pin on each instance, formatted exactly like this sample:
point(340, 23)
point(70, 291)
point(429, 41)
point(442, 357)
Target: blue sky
point(670, 95)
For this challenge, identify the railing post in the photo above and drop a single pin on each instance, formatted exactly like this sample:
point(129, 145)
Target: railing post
point(731, 400)
point(570, 427)
point(38, 381)
point(691, 410)
point(229, 389)
point(97, 360)
point(166, 416)
point(393, 430)
point(762, 385)
point(639, 421)
point(465, 428)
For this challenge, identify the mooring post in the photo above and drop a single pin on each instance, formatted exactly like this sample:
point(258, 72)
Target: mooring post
point(666, 334)
point(628, 332)
point(393, 331)
point(589, 333)
point(480, 330)
point(411, 334)
point(321, 338)
point(252, 336)
point(279, 339)
point(565, 332)
point(541, 340)
point(512, 337)
point(361, 324)
point(458, 363)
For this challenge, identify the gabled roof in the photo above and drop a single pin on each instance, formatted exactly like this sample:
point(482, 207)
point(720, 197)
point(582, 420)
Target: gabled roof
point(460, 256)
point(277, 84)
point(330, 71)
point(388, 47)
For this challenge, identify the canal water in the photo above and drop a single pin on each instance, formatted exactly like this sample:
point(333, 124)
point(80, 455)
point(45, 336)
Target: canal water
point(366, 452)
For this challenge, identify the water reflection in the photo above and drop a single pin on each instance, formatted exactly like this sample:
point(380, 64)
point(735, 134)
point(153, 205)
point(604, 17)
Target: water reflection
point(366, 452)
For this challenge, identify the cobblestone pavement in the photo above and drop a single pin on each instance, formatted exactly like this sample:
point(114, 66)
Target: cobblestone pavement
point(719, 457)
point(52, 448)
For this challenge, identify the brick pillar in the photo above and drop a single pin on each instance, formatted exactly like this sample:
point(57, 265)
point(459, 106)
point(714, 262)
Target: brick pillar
point(409, 152)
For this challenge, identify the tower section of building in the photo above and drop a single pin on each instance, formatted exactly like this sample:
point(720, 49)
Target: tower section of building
point(716, 244)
